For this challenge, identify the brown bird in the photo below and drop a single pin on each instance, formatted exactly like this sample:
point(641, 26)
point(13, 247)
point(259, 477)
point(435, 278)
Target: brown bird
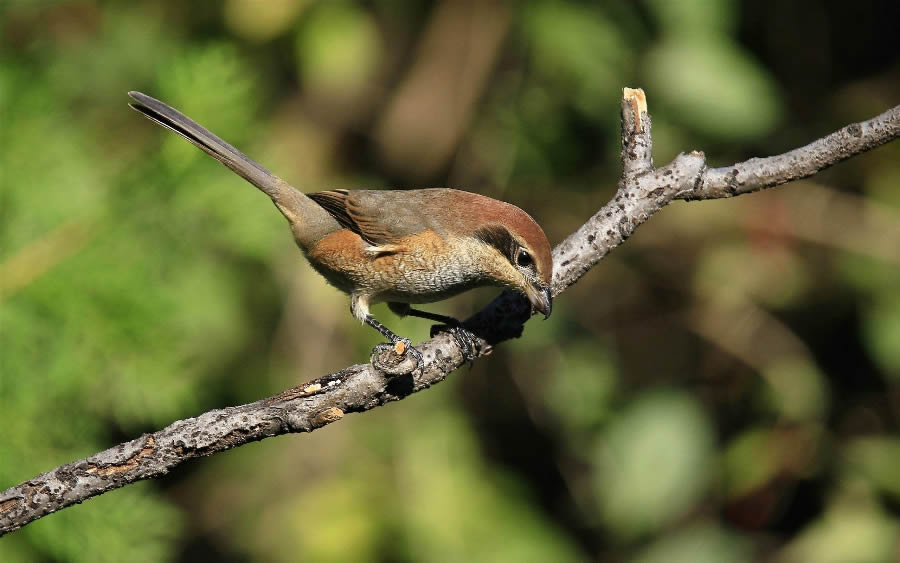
point(402, 247)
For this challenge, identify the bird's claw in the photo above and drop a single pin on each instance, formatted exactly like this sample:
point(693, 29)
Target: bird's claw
point(398, 357)
point(464, 338)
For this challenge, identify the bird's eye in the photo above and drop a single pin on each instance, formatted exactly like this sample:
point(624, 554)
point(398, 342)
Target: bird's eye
point(523, 259)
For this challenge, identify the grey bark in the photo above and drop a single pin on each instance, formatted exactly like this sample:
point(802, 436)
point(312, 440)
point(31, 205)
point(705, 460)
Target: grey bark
point(642, 191)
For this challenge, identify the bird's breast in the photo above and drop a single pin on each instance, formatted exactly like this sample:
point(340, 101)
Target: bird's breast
point(421, 268)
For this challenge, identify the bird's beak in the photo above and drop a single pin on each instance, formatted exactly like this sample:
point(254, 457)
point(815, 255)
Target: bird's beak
point(541, 300)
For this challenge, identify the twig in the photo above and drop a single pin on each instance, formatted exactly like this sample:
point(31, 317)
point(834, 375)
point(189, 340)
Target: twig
point(643, 190)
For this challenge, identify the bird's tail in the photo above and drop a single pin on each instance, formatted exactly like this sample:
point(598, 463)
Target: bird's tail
point(302, 212)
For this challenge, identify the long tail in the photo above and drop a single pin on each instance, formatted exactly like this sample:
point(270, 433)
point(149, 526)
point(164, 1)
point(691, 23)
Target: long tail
point(308, 220)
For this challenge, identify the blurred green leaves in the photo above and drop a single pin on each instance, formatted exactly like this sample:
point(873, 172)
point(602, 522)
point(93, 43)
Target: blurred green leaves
point(583, 393)
point(111, 316)
point(876, 459)
point(654, 463)
point(751, 461)
point(580, 51)
point(713, 86)
point(453, 500)
point(694, 17)
point(420, 489)
point(338, 50)
point(796, 389)
point(706, 79)
point(214, 85)
point(882, 330)
point(703, 543)
point(262, 20)
point(854, 529)
point(87, 535)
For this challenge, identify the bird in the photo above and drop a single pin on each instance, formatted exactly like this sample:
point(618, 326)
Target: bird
point(402, 247)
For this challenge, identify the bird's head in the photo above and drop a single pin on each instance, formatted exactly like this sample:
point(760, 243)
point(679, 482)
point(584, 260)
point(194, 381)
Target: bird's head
point(520, 256)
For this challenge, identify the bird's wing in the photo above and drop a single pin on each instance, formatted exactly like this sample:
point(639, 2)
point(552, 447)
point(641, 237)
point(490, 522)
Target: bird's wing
point(334, 203)
point(381, 218)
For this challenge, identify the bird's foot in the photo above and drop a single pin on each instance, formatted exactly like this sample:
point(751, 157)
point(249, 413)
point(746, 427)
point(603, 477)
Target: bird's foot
point(467, 341)
point(398, 357)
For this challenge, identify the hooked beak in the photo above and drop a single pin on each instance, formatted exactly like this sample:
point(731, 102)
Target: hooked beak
point(541, 300)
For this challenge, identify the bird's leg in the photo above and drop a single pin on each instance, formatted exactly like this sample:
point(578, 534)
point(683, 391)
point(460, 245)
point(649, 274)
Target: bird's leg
point(464, 338)
point(359, 307)
point(397, 344)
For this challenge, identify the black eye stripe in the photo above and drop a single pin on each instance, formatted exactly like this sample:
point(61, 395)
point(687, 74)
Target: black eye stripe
point(501, 239)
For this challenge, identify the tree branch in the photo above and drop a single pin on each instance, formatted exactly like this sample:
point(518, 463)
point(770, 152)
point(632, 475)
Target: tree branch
point(642, 191)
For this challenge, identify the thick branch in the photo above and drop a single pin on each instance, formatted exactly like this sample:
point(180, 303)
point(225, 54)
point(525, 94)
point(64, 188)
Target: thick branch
point(642, 192)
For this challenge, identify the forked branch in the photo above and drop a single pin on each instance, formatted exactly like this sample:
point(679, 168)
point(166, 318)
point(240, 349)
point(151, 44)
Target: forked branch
point(643, 190)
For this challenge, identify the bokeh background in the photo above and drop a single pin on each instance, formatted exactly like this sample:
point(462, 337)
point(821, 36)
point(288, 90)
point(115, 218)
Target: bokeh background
point(724, 387)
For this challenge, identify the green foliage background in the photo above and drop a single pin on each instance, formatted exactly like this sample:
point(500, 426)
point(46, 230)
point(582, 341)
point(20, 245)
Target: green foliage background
point(724, 387)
